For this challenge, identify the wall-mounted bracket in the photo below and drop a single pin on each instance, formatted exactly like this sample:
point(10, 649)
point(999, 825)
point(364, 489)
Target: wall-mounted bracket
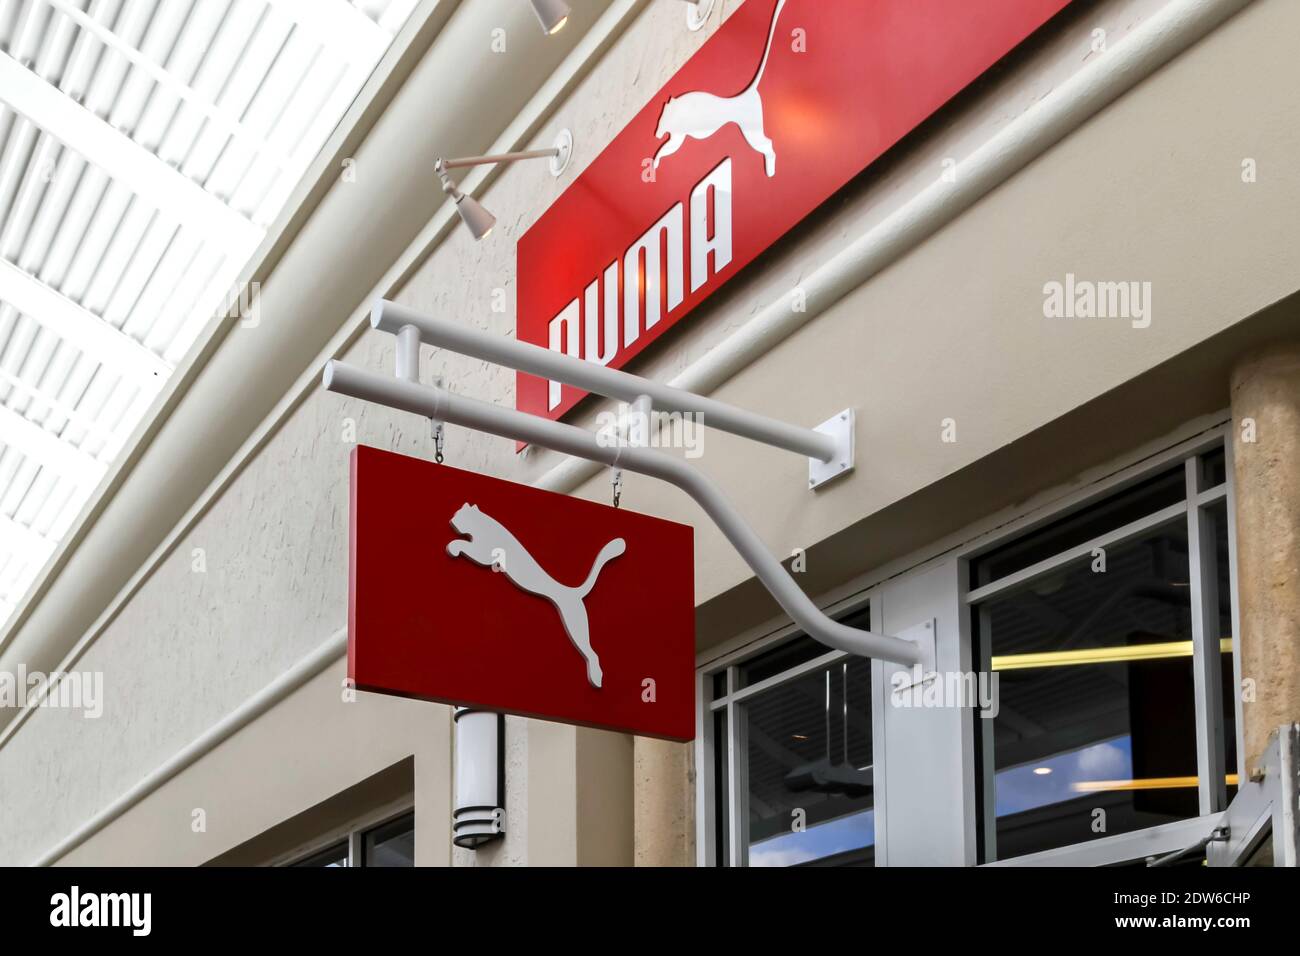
point(404, 393)
point(840, 430)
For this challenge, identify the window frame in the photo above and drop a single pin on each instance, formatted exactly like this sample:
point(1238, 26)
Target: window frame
point(1210, 745)
point(1000, 527)
point(732, 702)
point(353, 835)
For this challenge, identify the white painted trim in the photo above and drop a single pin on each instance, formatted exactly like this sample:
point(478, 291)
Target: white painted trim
point(273, 693)
point(1122, 847)
point(1155, 42)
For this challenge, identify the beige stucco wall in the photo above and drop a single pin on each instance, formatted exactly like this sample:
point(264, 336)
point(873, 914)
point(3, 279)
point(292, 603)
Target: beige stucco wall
point(1266, 459)
point(1150, 190)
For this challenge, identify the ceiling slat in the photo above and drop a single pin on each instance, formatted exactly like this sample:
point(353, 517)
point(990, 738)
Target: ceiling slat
point(125, 160)
point(48, 450)
point(172, 84)
point(340, 26)
point(77, 325)
point(17, 538)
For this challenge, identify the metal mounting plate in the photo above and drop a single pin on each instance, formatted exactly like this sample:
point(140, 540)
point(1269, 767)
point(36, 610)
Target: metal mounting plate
point(564, 143)
point(924, 636)
point(840, 428)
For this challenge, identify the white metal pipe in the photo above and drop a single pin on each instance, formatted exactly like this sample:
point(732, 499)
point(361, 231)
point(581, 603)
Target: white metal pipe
point(408, 353)
point(570, 440)
point(497, 158)
point(458, 337)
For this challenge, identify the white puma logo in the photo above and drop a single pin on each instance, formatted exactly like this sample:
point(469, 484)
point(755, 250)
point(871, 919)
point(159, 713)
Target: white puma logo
point(700, 115)
point(487, 542)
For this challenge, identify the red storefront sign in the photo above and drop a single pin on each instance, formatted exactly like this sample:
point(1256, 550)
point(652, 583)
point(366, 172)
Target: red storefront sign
point(786, 103)
point(466, 589)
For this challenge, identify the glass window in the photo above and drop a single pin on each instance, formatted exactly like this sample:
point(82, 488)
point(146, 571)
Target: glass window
point(389, 844)
point(392, 844)
point(804, 779)
point(721, 781)
point(1142, 499)
point(780, 659)
point(809, 780)
point(719, 683)
point(1096, 730)
point(336, 855)
point(1214, 469)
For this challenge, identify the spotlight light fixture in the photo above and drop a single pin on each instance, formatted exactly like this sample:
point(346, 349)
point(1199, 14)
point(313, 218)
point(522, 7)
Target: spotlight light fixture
point(477, 219)
point(552, 14)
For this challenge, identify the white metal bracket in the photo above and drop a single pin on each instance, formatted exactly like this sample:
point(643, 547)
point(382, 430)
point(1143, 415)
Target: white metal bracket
point(563, 152)
point(840, 429)
point(403, 391)
point(1266, 804)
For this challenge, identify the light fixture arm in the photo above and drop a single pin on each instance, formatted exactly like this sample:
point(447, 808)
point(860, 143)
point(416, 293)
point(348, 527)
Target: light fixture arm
point(444, 164)
point(477, 219)
point(438, 403)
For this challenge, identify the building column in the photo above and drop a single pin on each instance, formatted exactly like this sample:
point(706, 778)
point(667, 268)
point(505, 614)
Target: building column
point(664, 803)
point(1266, 445)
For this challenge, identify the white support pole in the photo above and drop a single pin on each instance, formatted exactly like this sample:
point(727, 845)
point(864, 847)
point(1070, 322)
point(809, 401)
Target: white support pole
point(570, 440)
point(458, 337)
point(408, 354)
point(465, 161)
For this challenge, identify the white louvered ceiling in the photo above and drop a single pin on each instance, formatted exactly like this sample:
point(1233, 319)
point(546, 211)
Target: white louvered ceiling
point(146, 146)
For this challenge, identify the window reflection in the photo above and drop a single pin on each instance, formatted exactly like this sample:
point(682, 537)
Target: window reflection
point(392, 844)
point(1095, 734)
point(810, 774)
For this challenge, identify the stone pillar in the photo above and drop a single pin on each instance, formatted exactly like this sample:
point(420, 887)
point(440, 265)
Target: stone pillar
point(664, 803)
point(1266, 445)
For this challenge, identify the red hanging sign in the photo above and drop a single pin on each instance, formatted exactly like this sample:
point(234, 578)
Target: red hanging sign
point(472, 590)
point(786, 103)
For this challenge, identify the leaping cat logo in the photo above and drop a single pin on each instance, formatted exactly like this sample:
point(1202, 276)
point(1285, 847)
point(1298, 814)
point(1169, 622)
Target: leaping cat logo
point(487, 542)
point(700, 115)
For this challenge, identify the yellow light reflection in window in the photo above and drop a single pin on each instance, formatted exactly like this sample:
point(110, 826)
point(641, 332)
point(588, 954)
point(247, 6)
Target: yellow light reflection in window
point(1149, 783)
point(1100, 655)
